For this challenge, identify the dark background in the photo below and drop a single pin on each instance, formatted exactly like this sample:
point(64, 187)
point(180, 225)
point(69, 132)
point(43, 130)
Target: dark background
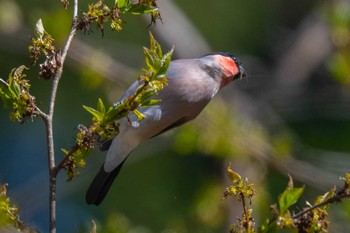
point(291, 115)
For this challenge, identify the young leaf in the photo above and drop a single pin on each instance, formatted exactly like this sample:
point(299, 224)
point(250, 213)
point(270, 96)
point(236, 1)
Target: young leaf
point(122, 3)
point(155, 46)
point(39, 29)
point(100, 106)
point(66, 152)
point(165, 63)
point(98, 115)
point(139, 115)
point(138, 9)
point(151, 102)
point(289, 196)
point(5, 94)
point(233, 176)
point(18, 72)
point(14, 89)
point(152, 60)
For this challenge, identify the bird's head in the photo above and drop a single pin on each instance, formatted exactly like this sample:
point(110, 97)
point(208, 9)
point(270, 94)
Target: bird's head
point(224, 66)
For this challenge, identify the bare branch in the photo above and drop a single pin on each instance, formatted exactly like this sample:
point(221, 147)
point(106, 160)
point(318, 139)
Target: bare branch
point(48, 119)
point(336, 198)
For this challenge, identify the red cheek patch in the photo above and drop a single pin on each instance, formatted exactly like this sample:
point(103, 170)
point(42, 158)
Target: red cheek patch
point(228, 66)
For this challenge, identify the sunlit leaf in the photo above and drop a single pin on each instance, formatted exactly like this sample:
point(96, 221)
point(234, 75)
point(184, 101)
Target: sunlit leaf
point(98, 115)
point(18, 72)
point(5, 94)
point(233, 176)
point(122, 3)
point(166, 62)
point(138, 9)
point(66, 152)
point(100, 106)
point(139, 115)
point(152, 60)
point(39, 29)
point(14, 88)
point(151, 102)
point(289, 196)
point(155, 46)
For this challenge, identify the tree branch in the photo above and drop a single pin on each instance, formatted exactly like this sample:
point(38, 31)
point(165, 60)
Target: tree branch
point(48, 119)
point(336, 198)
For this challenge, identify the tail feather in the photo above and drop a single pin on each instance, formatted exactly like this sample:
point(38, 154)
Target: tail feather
point(101, 185)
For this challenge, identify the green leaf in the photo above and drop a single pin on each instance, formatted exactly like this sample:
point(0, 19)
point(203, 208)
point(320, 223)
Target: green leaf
point(155, 46)
point(14, 89)
point(138, 9)
point(100, 106)
point(165, 63)
point(151, 102)
point(139, 115)
point(115, 113)
point(39, 29)
point(152, 60)
point(233, 176)
point(65, 151)
point(289, 196)
point(5, 94)
point(145, 96)
point(98, 115)
point(122, 3)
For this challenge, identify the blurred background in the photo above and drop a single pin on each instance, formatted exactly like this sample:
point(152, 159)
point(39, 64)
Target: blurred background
point(291, 115)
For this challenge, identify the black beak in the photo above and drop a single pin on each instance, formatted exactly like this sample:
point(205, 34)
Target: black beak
point(242, 73)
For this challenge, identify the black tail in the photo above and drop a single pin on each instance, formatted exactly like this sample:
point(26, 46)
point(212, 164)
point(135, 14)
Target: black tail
point(101, 184)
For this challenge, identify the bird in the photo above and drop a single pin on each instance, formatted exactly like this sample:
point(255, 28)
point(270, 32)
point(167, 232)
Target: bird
point(192, 83)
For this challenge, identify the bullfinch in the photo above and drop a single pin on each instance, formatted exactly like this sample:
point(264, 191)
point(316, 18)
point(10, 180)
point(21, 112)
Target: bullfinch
point(192, 83)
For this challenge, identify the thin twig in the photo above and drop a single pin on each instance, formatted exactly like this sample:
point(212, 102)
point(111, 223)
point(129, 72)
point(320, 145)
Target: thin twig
point(66, 158)
point(4, 82)
point(244, 209)
point(246, 224)
point(48, 119)
point(37, 111)
point(337, 198)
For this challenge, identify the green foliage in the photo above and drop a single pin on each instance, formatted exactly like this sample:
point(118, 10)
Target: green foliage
point(9, 214)
point(104, 127)
point(312, 219)
point(241, 189)
point(15, 95)
point(233, 176)
point(283, 216)
point(289, 196)
point(43, 44)
point(101, 13)
point(14, 92)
